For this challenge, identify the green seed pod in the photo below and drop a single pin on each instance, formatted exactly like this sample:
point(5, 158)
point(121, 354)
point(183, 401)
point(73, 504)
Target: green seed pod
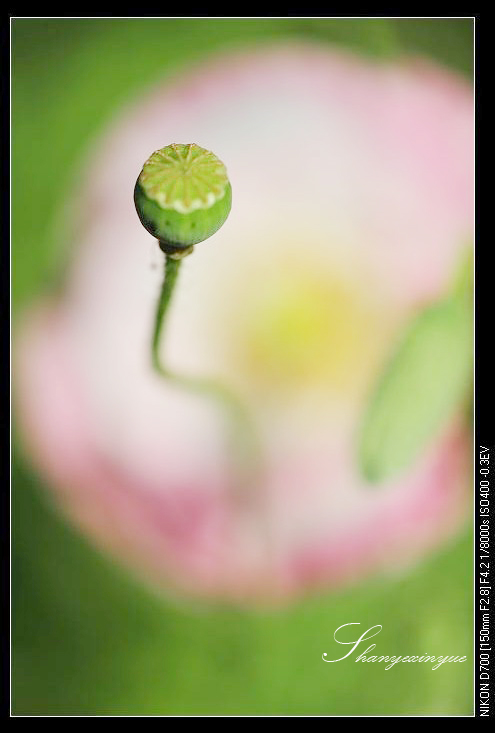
point(182, 196)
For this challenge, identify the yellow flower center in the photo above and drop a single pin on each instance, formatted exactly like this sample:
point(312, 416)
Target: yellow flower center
point(302, 327)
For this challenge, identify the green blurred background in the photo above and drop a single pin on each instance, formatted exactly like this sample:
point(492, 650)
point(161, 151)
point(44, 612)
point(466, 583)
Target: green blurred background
point(86, 638)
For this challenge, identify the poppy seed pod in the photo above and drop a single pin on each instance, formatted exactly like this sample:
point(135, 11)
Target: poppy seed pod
point(182, 195)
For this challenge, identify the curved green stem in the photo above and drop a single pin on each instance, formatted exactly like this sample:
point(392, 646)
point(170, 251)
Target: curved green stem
point(172, 266)
point(246, 444)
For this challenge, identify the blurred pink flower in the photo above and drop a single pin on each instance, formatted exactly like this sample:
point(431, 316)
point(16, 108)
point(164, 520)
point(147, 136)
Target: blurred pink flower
point(352, 198)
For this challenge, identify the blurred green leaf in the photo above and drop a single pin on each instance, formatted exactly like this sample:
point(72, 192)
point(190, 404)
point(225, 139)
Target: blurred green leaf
point(423, 384)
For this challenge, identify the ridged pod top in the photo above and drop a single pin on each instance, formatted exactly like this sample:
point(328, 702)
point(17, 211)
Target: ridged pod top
point(184, 178)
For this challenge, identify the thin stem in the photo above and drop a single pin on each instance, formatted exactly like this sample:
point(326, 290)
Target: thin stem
point(245, 442)
point(172, 267)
